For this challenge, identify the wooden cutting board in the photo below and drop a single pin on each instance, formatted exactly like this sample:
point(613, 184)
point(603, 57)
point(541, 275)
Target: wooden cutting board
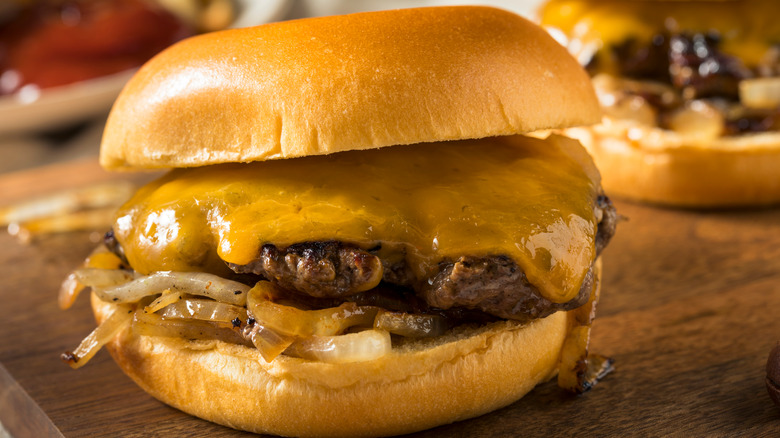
point(690, 310)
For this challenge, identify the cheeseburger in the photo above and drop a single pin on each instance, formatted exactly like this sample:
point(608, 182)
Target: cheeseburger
point(691, 95)
point(354, 238)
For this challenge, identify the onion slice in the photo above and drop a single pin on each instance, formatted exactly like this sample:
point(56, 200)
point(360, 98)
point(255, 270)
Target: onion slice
point(152, 324)
point(578, 371)
point(205, 310)
point(351, 347)
point(99, 337)
point(100, 258)
point(167, 298)
point(69, 291)
point(762, 93)
point(193, 283)
point(269, 343)
point(97, 278)
point(291, 321)
point(698, 121)
point(410, 325)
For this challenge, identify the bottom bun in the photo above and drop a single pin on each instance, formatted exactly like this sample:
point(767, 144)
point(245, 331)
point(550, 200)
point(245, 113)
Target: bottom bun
point(656, 166)
point(423, 384)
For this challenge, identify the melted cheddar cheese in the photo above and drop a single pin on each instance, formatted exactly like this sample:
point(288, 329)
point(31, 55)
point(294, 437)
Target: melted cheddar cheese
point(525, 198)
point(748, 28)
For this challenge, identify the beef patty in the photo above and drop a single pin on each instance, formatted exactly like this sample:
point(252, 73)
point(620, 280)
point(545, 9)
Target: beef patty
point(493, 284)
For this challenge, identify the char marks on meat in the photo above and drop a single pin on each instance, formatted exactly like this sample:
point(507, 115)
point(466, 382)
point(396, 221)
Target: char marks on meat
point(495, 285)
point(319, 269)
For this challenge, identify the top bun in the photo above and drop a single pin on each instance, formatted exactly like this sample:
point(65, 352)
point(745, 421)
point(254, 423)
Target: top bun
point(362, 81)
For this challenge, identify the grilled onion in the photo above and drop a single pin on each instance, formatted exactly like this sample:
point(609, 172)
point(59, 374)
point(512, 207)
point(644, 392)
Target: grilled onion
point(698, 121)
point(292, 321)
point(100, 258)
point(351, 347)
point(167, 298)
point(578, 371)
point(763, 93)
point(268, 342)
point(193, 283)
point(152, 324)
point(97, 278)
point(99, 337)
point(205, 310)
point(410, 325)
point(69, 291)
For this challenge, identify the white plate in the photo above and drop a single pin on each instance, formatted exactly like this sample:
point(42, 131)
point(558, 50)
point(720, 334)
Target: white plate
point(59, 107)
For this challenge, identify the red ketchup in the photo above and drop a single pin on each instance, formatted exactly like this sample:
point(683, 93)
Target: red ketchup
point(55, 43)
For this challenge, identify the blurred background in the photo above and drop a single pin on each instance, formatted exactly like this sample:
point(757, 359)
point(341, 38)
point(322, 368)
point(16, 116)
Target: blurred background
point(63, 62)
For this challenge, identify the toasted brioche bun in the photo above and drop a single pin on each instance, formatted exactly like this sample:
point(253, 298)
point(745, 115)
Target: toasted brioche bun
point(320, 86)
point(465, 373)
point(660, 167)
point(361, 81)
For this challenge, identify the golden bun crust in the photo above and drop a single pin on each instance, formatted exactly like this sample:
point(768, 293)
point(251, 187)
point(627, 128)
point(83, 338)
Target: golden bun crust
point(455, 377)
point(323, 85)
point(660, 167)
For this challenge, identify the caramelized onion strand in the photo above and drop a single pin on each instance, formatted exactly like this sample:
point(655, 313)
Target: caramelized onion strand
point(152, 324)
point(410, 325)
point(100, 258)
point(300, 323)
point(352, 347)
point(69, 291)
point(193, 283)
point(268, 342)
point(99, 337)
point(167, 298)
point(578, 372)
point(97, 278)
point(205, 310)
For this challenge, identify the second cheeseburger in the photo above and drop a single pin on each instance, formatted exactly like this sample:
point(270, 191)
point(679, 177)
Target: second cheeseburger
point(691, 95)
point(355, 240)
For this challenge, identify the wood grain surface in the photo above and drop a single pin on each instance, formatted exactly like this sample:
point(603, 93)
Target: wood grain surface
point(690, 310)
